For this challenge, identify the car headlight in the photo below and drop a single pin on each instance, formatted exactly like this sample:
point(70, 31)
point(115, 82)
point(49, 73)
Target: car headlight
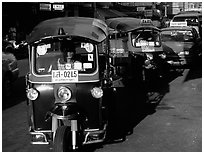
point(32, 94)
point(64, 93)
point(97, 92)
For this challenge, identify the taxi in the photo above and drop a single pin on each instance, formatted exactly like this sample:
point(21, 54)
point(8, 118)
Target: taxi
point(181, 44)
point(192, 19)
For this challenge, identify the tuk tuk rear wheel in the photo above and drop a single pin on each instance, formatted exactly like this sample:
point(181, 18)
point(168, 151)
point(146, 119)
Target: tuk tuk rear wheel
point(63, 140)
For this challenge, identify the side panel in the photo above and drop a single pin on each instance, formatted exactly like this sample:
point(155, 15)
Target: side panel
point(42, 105)
point(89, 105)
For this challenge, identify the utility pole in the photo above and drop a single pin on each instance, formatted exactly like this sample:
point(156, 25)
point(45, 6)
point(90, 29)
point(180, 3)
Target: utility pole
point(66, 9)
point(94, 9)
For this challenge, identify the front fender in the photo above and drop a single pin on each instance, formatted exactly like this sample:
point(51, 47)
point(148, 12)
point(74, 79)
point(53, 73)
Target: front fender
point(64, 111)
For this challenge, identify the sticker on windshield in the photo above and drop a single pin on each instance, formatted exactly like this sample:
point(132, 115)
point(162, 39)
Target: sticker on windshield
point(88, 47)
point(151, 43)
point(42, 49)
point(87, 65)
point(90, 57)
point(147, 48)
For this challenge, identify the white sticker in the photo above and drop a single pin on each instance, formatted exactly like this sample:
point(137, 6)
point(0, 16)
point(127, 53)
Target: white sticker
point(68, 66)
point(151, 43)
point(42, 49)
point(90, 57)
point(87, 65)
point(88, 46)
point(78, 66)
point(143, 43)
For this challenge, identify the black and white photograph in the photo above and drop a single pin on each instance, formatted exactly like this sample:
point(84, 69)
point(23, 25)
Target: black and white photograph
point(101, 76)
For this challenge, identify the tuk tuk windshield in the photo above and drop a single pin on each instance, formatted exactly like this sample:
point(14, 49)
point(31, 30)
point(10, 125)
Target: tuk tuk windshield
point(145, 37)
point(177, 36)
point(65, 55)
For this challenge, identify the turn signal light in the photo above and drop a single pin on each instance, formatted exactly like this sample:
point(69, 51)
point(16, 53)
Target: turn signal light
point(97, 92)
point(32, 94)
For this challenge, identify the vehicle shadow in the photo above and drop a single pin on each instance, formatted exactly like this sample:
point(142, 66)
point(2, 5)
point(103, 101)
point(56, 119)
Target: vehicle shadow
point(18, 94)
point(194, 72)
point(129, 106)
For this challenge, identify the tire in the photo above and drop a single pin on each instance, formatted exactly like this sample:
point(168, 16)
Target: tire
point(63, 140)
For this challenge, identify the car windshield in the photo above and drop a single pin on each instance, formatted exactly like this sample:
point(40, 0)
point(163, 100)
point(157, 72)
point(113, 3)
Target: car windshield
point(191, 21)
point(177, 36)
point(145, 36)
point(63, 55)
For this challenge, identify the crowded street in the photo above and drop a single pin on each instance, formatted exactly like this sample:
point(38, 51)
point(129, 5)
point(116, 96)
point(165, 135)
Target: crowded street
point(102, 77)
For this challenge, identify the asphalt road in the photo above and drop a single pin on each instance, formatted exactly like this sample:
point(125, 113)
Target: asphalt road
point(174, 125)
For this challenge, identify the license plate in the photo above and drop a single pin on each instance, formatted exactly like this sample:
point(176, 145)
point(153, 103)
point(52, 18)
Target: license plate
point(64, 75)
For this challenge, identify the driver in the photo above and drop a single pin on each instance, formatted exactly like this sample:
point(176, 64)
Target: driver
point(68, 61)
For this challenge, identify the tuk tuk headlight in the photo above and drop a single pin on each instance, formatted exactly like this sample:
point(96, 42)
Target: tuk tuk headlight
point(64, 93)
point(163, 56)
point(97, 92)
point(186, 52)
point(32, 94)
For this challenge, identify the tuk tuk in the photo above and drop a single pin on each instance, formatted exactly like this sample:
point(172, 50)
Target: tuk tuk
point(67, 82)
point(120, 57)
point(137, 43)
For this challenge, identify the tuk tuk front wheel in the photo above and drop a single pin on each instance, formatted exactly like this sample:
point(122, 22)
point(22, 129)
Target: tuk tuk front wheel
point(63, 140)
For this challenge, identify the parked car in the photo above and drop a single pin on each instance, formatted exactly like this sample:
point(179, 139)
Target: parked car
point(181, 45)
point(10, 69)
point(192, 19)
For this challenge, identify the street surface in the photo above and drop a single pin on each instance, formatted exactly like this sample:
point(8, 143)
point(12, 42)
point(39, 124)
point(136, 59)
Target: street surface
point(174, 125)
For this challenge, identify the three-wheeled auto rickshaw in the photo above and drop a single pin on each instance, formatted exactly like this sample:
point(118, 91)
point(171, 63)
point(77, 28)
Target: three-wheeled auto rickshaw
point(141, 39)
point(67, 82)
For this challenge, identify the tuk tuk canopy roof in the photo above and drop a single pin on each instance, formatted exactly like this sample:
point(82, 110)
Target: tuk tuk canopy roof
point(91, 28)
point(126, 24)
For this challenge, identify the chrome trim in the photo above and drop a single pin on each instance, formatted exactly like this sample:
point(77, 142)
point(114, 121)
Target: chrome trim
point(49, 82)
point(61, 117)
point(40, 133)
point(94, 131)
point(15, 70)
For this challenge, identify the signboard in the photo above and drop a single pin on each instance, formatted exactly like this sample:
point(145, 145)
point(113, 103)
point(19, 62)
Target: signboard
point(140, 8)
point(58, 7)
point(51, 7)
point(45, 7)
point(146, 21)
point(148, 13)
point(178, 24)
